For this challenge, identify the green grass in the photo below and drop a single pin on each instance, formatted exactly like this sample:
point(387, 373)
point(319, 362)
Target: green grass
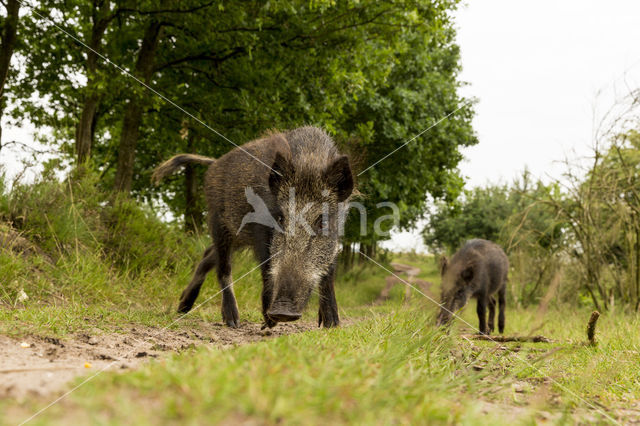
point(384, 369)
point(381, 370)
point(108, 263)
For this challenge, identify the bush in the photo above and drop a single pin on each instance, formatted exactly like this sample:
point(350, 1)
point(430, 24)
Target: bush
point(76, 217)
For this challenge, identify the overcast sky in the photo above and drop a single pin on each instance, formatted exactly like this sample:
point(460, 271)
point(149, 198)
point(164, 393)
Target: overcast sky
point(536, 69)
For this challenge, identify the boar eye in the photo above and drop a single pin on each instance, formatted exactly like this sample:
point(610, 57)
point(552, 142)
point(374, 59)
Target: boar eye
point(467, 274)
point(320, 224)
point(279, 217)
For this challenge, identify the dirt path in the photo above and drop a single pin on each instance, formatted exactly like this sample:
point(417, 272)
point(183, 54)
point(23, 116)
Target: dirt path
point(39, 366)
point(411, 273)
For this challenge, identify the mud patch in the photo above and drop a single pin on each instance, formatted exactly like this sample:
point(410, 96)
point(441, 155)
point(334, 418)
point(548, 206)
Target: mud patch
point(39, 366)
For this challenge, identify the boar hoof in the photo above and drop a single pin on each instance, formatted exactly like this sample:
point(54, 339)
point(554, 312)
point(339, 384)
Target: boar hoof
point(186, 302)
point(268, 323)
point(232, 323)
point(183, 308)
point(230, 316)
point(328, 319)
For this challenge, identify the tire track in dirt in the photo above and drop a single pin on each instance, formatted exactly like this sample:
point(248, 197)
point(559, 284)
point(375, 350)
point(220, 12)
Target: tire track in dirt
point(41, 366)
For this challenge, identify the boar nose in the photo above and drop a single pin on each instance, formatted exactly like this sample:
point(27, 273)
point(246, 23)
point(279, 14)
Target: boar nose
point(443, 319)
point(283, 311)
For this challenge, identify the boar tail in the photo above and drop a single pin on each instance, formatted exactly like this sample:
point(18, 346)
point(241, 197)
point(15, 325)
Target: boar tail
point(172, 164)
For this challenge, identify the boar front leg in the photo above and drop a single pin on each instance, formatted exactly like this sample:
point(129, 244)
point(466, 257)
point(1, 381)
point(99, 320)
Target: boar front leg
point(267, 295)
point(482, 313)
point(230, 314)
point(264, 257)
point(328, 311)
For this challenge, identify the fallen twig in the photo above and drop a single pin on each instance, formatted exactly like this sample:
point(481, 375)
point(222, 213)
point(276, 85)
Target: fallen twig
point(591, 328)
point(502, 339)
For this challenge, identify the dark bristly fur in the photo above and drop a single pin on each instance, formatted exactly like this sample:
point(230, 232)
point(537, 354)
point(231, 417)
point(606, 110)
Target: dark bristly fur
point(296, 262)
point(479, 269)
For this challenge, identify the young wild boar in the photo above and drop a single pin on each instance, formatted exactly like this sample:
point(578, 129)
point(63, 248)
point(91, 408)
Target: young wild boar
point(479, 269)
point(279, 195)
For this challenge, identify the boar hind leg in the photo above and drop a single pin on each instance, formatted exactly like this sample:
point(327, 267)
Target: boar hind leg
point(328, 311)
point(230, 314)
point(501, 306)
point(482, 313)
point(190, 293)
point(492, 312)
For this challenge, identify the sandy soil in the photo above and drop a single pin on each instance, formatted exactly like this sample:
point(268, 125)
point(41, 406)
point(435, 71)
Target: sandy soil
point(39, 366)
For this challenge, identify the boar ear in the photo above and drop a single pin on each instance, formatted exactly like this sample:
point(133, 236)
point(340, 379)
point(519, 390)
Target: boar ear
point(467, 273)
point(339, 177)
point(443, 263)
point(279, 169)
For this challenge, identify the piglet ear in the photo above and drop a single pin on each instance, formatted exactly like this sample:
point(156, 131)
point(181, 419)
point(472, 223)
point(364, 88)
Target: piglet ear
point(280, 169)
point(443, 263)
point(339, 177)
point(467, 273)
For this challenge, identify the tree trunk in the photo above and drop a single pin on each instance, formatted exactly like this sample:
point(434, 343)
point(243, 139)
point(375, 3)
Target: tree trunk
point(192, 214)
point(134, 110)
point(127, 147)
point(6, 49)
point(590, 279)
point(637, 267)
point(86, 126)
point(367, 251)
point(346, 256)
point(84, 132)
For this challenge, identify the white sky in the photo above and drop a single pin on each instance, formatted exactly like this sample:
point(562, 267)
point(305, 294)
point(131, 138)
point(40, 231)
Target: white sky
point(536, 69)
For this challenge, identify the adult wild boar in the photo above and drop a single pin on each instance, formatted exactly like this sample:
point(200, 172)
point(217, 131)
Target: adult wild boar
point(479, 269)
point(280, 195)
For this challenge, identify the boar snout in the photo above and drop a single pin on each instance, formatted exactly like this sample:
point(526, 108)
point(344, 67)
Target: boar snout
point(448, 307)
point(444, 318)
point(283, 311)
